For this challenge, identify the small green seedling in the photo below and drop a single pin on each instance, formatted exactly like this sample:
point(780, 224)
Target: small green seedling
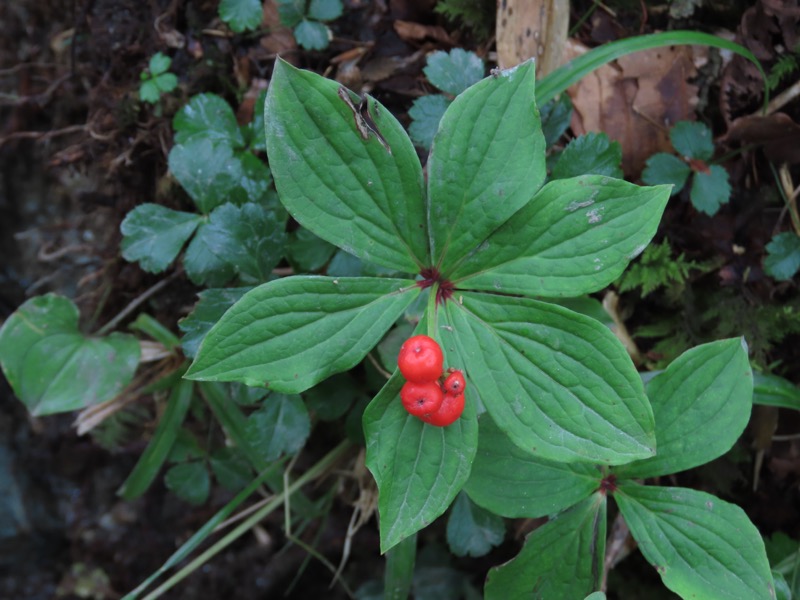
point(694, 143)
point(307, 19)
point(452, 73)
point(156, 79)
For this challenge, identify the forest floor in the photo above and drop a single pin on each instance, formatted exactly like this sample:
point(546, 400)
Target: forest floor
point(78, 150)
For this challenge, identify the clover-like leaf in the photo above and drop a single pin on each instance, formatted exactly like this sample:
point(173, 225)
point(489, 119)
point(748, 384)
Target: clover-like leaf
point(701, 546)
point(312, 35)
point(354, 181)
point(486, 163)
point(419, 468)
point(207, 116)
point(783, 256)
point(576, 236)
point(692, 140)
point(710, 190)
point(426, 113)
point(52, 367)
point(513, 483)
point(153, 235)
point(241, 15)
point(668, 169)
point(292, 333)
point(559, 384)
point(207, 170)
point(561, 559)
point(249, 237)
point(454, 71)
point(701, 404)
point(325, 10)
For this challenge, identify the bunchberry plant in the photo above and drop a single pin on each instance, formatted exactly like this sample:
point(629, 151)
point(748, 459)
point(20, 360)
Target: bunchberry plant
point(483, 240)
point(307, 19)
point(156, 79)
point(452, 72)
point(701, 546)
point(694, 143)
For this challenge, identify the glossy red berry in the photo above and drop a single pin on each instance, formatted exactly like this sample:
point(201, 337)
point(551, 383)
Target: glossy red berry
point(421, 398)
point(454, 383)
point(420, 359)
point(448, 413)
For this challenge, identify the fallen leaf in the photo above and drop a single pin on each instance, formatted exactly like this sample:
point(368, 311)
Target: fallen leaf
point(636, 99)
point(532, 29)
point(777, 132)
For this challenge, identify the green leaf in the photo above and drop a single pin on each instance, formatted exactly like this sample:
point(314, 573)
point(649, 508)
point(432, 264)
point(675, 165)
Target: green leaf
point(211, 305)
point(559, 384)
point(561, 559)
point(592, 153)
point(256, 182)
point(189, 481)
point(701, 404)
point(280, 426)
point(710, 190)
point(772, 390)
point(399, 572)
point(149, 92)
point(52, 367)
point(153, 235)
point(291, 12)
point(692, 140)
point(419, 468)
point(207, 170)
point(701, 546)
point(159, 63)
point(307, 252)
point(159, 447)
point(312, 35)
point(576, 236)
point(471, 530)
point(166, 82)
point(512, 483)
point(203, 264)
point(250, 238)
point(487, 162)
point(331, 399)
point(453, 72)
point(210, 117)
point(292, 333)
point(241, 15)
point(325, 10)
point(783, 256)
point(348, 190)
point(668, 169)
point(556, 116)
point(426, 112)
point(231, 469)
point(389, 348)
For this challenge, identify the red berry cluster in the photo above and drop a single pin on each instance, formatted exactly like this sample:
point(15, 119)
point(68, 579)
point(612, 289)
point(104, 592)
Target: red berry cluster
point(425, 394)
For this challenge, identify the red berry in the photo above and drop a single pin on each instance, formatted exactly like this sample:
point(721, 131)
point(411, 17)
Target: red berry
point(454, 383)
point(420, 359)
point(421, 398)
point(448, 413)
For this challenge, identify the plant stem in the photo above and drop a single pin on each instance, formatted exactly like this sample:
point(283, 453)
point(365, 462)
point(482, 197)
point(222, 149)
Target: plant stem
point(400, 569)
point(431, 310)
point(245, 526)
